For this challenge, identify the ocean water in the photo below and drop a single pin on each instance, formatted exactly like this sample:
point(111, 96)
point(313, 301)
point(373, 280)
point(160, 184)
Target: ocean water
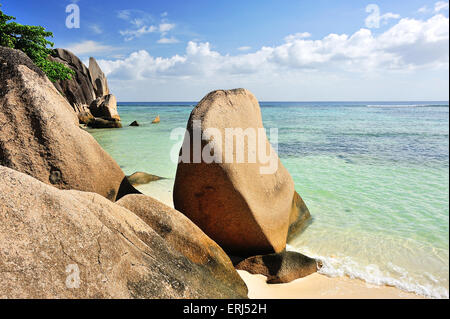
point(374, 175)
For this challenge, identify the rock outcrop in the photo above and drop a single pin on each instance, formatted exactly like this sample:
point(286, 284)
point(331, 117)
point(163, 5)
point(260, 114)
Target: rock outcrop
point(87, 91)
point(98, 79)
point(72, 244)
point(40, 136)
point(98, 122)
point(85, 117)
point(105, 107)
point(245, 211)
point(280, 268)
point(140, 178)
point(156, 120)
point(78, 91)
point(134, 123)
point(299, 217)
point(186, 238)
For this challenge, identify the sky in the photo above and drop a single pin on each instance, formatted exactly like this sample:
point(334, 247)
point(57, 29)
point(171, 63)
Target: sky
point(284, 50)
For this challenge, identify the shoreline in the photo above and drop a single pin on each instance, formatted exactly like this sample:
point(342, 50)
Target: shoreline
point(315, 286)
point(319, 286)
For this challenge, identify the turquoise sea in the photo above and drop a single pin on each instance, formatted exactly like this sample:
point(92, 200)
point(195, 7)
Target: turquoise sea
point(375, 176)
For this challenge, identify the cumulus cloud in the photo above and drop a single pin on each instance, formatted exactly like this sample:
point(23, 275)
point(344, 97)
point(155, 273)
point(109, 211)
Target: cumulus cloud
point(407, 45)
point(139, 65)
point(88, 47)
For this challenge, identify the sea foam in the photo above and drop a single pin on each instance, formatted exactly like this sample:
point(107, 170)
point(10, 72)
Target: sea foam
point(372, 274)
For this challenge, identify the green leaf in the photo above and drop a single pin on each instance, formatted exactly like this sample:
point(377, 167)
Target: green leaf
point(32, 40)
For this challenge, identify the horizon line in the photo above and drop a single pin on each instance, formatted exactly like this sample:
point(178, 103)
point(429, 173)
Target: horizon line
point(292, 101)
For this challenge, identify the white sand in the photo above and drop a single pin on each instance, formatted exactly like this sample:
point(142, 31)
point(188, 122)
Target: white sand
point(160, 190)
point(317, 286)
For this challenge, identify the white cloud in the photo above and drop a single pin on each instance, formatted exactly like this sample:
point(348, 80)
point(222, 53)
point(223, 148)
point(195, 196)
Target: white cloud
point(440, 6)
point(411, 45)
point(138, 22)
point(244, 48)
point(139, 65)
point(387, 16)
point(140, 25)
point(408, 44)
point(301, 35)
point(132, 34)
point(124, 14)
point(168, 40)
point(88, 47)
point(423, 9)
point(166, 27)
point(135, 16)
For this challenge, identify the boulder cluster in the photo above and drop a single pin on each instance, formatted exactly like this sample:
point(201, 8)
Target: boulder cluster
point(40, 135)
point(87, 91)
point(73, 226)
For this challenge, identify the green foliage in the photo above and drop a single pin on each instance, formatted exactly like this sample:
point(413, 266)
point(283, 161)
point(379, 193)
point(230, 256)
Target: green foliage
point(33, 41)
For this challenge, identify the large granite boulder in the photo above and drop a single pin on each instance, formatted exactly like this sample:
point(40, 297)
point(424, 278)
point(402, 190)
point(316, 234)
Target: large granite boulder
point(40, 135)
point(98, 122)
point(245, 207)
point(72, 244)
point(299, 218)
point(186, 238)
point(105, 107)
point(78, 91)
point(280, 268)
point(98, 78)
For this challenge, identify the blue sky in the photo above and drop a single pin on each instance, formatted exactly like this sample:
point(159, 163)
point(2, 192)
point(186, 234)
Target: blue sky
point(280, 50)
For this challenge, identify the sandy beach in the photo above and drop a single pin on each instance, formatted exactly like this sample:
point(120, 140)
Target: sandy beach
point(315, 286)
point(318, 286)
point(224, 152)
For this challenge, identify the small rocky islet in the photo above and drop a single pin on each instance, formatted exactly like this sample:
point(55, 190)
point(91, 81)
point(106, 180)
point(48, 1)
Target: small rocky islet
point(64, 202)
